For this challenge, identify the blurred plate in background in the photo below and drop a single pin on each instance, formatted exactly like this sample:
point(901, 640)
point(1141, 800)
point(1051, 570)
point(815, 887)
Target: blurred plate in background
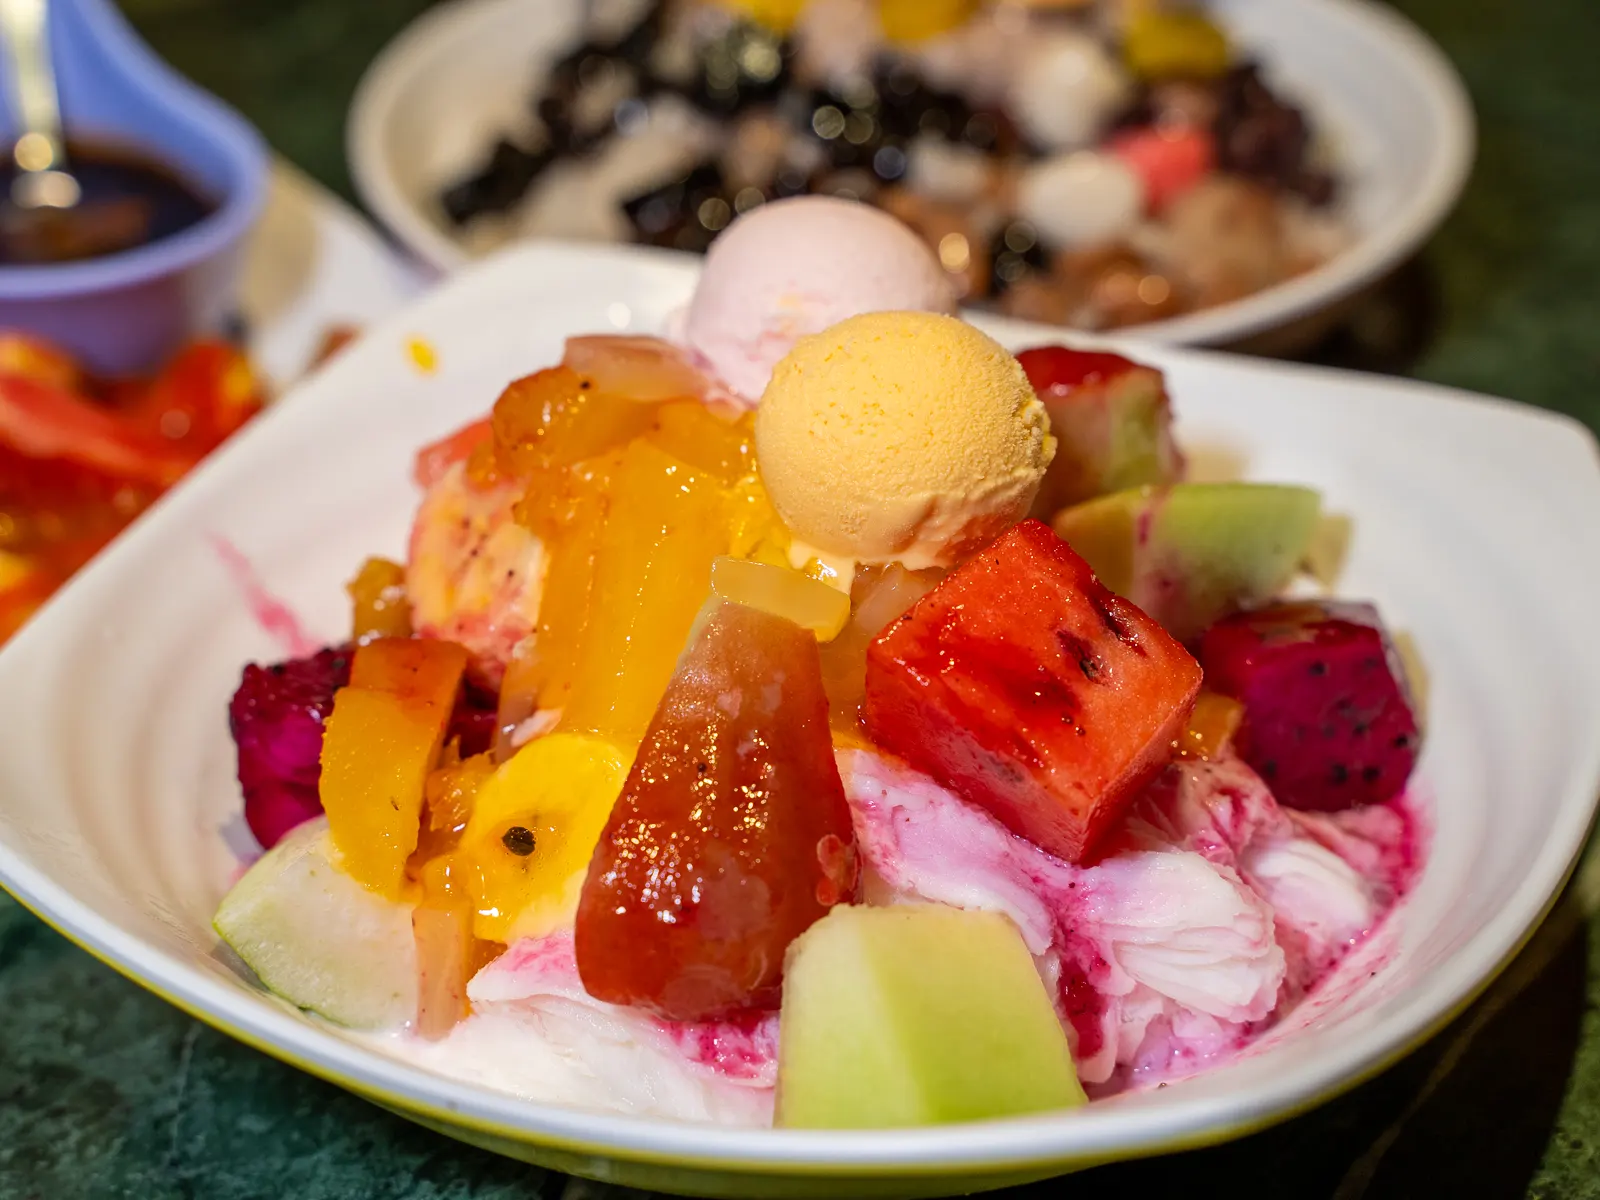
point(1390, 107)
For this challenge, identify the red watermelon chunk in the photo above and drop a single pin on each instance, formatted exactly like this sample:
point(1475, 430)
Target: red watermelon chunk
point(1031, 690)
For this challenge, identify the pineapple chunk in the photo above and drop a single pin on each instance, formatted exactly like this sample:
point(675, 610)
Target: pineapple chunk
point(652, 569)
point(784, 593)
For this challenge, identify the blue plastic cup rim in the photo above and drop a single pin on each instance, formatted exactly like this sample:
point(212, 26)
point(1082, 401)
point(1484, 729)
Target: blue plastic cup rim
point(237, 209)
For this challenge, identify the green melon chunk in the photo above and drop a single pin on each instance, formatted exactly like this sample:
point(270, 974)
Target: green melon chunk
point(1109, 436)
point(1192, 553)
point(916, 1015)
point(319, 939)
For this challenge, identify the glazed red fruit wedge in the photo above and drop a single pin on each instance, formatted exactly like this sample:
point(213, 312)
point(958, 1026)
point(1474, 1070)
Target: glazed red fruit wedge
point(1112, 421)
point(1328, 720)
point(1030, 689)
point(732, 834)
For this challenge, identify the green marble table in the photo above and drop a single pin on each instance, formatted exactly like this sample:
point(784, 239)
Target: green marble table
point(107, 1092)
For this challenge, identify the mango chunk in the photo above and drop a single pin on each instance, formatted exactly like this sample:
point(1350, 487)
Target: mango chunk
point(417, 670)
point(378, 603)
point(380, 742)
point(652, 569)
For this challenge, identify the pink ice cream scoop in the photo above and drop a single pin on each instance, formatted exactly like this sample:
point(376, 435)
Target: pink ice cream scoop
point(797, 266)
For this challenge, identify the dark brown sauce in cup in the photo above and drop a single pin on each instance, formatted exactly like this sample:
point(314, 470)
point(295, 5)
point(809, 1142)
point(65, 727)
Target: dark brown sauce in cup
point(129, 200)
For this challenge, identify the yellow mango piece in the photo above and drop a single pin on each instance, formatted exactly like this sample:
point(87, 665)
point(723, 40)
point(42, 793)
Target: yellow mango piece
point(377, 750)
point(757, 531)
point(1211, 726)
point(692, 433)
point(565, 606)
point(379, 607)
point(917, 20)
point(652, 569)
point(534, 827)
point(380, 742)
point(557, 418)
point(783, 592)
point(1175, 44)
point(421, 670)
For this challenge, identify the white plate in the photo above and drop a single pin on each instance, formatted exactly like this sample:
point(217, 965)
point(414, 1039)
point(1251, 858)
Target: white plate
point(1474, 530)
point(1394, 109)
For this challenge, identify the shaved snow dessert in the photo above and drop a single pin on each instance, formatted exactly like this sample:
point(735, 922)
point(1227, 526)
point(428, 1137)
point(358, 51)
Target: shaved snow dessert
point(644, 788)
point(536, 1033)
point(1170, 951)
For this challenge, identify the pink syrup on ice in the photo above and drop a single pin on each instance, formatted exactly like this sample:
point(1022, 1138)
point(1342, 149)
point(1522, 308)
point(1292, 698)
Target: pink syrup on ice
point(742, 1048)
point(1166, 956)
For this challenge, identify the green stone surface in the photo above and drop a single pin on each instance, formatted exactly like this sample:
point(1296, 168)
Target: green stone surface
point(105, 1091)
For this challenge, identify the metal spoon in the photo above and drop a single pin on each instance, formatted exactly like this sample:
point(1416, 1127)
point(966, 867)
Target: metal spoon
point(48, 219)
point(43, 178)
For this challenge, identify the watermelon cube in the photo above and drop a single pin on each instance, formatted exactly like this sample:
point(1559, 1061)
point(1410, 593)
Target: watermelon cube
point(1031, 690)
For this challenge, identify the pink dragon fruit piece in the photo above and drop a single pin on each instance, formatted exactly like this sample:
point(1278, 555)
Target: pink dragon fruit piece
point(276, 717)
point(1328, 721)
point(275, 809)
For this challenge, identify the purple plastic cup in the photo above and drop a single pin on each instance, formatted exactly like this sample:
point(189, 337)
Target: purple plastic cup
point(127, 312)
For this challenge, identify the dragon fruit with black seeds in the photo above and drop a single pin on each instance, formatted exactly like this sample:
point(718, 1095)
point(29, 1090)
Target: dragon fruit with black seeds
point(276, 717)
point(1329, 722)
